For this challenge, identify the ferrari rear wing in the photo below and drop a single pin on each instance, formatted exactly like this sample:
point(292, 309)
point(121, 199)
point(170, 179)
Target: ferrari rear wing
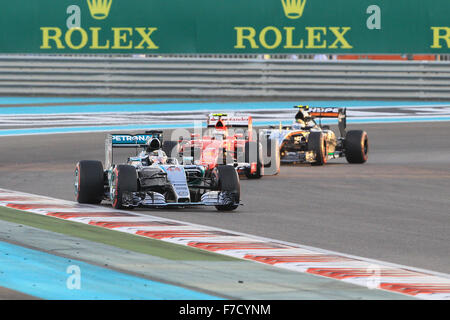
point(120, 140)
point(229, 121)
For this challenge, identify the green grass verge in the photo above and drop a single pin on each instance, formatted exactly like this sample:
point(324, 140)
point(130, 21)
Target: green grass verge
point(118, 239)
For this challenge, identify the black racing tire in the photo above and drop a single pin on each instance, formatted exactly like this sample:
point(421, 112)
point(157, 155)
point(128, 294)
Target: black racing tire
point(124, 180)
point(228, 182)
point(170, 148)
point(318, 144)
point(356, 146)
point(253, 146)
point(89, 181)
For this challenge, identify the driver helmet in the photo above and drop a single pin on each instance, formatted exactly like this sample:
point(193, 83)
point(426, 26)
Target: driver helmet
point(301, 117)
point(157, 157)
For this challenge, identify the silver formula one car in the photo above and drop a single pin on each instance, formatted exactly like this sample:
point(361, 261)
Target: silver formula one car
point(307, 141)
point(151, 179)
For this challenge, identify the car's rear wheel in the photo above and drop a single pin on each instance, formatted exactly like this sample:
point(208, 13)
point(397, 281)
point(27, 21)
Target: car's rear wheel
point(124, 179)
point(89, 181)
point(356, 146)
point(229, 187)
point(253, 154)
point(318, 144)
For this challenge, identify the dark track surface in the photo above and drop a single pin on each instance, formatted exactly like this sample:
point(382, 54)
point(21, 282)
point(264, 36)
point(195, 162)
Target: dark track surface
point(394, 208)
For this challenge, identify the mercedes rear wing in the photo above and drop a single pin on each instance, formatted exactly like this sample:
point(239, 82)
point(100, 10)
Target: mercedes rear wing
point(121, 140)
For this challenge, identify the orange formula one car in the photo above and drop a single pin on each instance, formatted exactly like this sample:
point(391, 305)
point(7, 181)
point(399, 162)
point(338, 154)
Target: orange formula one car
point(307, 141)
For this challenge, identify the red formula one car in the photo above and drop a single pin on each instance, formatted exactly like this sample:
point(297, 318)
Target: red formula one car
point(229, 139)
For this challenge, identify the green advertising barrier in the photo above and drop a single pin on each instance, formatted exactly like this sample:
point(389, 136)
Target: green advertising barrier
point(225, 26)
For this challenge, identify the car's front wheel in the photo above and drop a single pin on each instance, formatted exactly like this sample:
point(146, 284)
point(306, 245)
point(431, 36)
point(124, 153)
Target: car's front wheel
point(318, 144)
point(227, 182)
point(123, 179)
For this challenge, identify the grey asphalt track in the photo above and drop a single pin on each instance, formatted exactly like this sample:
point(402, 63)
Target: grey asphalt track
point(394, 208)
point(8, 294)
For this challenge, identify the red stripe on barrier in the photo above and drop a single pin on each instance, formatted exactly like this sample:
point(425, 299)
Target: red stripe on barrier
point(415, 289)
point(180, 233)
point(217, 246)
point(115, 224)
point(69, 215)
point(297, 258)
point(344, 273)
